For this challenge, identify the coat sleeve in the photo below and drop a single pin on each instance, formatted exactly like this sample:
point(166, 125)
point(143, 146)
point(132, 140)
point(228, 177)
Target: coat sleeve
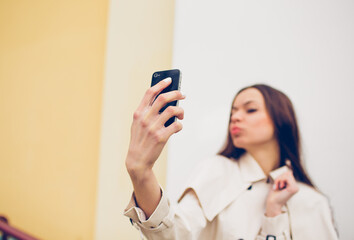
point(275, 227)
point(325, 228)
point(314, 222)
point(183, 221)
point(326, 221)
point(311, 215)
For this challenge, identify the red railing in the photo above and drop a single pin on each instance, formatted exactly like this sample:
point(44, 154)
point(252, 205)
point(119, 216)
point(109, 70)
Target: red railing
point(8, 231)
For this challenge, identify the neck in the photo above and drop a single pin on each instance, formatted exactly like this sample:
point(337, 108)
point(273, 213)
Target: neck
point(267, 156)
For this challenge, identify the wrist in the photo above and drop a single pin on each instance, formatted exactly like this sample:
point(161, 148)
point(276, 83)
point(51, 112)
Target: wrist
point(273, 209)
point(138, 172)
point(134, 163)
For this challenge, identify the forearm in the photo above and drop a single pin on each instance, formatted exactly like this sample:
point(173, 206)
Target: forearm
point(146, 189)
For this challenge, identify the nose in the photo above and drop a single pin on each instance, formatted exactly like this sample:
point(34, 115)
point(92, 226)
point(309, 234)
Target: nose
point(236, 116)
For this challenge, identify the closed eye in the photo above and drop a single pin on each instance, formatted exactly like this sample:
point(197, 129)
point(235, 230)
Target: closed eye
point(251, 110)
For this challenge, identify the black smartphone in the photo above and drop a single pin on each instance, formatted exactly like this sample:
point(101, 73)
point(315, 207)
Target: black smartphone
point(175, 75)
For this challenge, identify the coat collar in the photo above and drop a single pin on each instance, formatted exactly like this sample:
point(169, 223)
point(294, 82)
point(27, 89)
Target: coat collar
point(221, 180)
point(251, 172)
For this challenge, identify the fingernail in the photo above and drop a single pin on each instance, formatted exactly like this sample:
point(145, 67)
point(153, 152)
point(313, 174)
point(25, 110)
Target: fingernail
point(167, 79)
point(183, 95)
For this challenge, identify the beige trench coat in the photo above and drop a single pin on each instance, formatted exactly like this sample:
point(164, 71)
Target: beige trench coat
point(228, 203)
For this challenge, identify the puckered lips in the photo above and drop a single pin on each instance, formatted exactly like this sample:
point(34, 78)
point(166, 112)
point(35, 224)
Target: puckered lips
point(235, 130)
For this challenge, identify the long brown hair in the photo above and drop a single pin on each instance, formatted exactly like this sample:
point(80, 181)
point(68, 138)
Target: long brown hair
point(281, 111)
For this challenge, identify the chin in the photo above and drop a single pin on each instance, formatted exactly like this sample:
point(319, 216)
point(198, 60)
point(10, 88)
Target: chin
point(238, 143)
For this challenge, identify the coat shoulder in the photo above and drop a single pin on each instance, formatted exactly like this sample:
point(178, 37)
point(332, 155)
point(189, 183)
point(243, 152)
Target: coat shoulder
point(308, 197)
point(216, 183)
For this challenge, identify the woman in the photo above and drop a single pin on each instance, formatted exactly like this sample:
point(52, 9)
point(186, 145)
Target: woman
point(255, 188)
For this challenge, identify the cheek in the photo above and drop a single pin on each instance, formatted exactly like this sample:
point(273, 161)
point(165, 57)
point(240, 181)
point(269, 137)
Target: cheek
point(262, 126)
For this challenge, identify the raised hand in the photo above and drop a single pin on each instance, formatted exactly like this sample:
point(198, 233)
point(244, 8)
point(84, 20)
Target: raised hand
point(148, 133)
point(148, 138)
point(283, 189)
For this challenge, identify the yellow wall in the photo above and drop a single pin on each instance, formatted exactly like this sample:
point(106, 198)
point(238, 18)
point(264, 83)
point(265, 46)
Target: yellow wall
point(67, 95)
point(51, 81)
point(140, 40)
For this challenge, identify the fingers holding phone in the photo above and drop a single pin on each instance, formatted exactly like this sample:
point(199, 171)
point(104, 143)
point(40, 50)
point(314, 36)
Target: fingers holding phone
point(162, 102)
point(163, 99)
point(155, 119)
point(165, 104)
point(151, 94)
point(160, 120)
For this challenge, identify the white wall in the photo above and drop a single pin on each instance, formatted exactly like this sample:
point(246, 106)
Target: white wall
point(304, 48)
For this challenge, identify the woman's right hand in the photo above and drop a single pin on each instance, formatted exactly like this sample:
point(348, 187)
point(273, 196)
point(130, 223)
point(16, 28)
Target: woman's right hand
point(148, 133)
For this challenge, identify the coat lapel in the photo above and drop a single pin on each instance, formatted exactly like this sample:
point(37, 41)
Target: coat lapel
point(220, 181)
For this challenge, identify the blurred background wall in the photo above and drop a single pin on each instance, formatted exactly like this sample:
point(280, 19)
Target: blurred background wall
point(304, 48)
point(51, 81)
point(73, 72)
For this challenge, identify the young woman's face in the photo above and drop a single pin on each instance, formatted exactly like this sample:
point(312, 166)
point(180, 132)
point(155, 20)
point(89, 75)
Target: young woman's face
point(250, 124)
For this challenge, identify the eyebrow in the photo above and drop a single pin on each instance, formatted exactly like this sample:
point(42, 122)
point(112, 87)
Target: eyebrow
point(246, 103)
